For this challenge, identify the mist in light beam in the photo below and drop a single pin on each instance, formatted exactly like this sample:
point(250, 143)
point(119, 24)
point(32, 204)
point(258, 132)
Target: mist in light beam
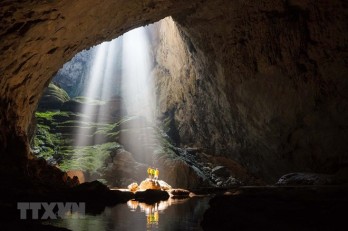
point(122, 68)
point(137, 81)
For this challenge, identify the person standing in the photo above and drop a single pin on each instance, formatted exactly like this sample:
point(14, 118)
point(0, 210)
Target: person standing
point(152, 173)
point(149, 172)
point(156, 174)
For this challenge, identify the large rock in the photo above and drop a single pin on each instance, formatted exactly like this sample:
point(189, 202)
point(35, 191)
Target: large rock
point(124, 170)
point(154, 184)
point(303, 178)
point(74, 74)
point(79, 103)
point(78, 173)
point(180, 174)
point(133, 187)
point(149, 184)
point(96, 192)
point(220, 171)
point(53, 98)
point(50, 175)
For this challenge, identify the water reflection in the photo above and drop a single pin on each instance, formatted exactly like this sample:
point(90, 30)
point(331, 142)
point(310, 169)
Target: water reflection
point(152, 211)
point(173, 214)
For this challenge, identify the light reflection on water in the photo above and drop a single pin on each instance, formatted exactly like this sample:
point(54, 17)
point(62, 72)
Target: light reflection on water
point(173, 214)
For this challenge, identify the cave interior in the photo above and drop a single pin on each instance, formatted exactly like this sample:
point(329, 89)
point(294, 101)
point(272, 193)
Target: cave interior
point(249, 101)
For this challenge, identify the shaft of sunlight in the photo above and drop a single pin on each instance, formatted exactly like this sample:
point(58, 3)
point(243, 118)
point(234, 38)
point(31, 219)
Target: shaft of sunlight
point(132, 55)
point(94, 84)
point(138, 94)
point(137, 85)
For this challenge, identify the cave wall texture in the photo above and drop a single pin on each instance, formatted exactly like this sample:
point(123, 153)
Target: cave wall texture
point(261, 82)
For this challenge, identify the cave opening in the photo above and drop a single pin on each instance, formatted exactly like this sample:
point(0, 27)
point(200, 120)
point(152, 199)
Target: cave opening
point(97, 118)
point(251, 103)
point(98, 121)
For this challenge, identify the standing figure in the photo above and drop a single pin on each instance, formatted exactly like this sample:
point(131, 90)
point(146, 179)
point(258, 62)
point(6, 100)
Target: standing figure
point(149, 172)
point(152, 173)
point(156, 174)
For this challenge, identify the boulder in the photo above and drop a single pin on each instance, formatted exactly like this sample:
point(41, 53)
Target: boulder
point(133, 187)
point(302, 178)
point(53, 98)
point(220, 171)
point(78, 173)
point(123, 170)
point(164, 185)
point(96, 193)
point(149, 184)
point(50, 175)
point(179, 192)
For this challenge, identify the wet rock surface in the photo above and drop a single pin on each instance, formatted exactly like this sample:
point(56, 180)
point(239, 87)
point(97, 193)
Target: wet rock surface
point(301, 178)
point(179, 193)
point(213, 171)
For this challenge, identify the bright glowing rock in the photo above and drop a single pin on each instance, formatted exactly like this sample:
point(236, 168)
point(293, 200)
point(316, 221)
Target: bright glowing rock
point(133, 187)
point(152, 184)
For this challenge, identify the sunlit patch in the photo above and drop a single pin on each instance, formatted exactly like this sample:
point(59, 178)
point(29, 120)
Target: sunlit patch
point(121, 70)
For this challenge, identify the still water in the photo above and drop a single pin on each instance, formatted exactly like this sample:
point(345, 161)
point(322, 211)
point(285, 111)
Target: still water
point(173, 214)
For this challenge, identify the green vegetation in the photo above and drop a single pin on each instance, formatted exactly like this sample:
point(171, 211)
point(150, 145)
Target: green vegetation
point(53, 98)
point(55, 136)
point(57, 92)
point(46, 143)
point(56, 131)
point(48, 116)
point(54, 140)
point(59, 122)
point(88, 158)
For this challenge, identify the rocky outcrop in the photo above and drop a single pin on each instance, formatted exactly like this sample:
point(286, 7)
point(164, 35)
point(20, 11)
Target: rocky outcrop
point(53, 98)
point(51, 175)
point(256, 92)
point(302, 178)
point(123, 170)
point(154, 184)
point(74, 74)
point(262, 83)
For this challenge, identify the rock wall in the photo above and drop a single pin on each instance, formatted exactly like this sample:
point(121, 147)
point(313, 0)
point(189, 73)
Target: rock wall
point(259, 82)
point(73, 76)
point(262, 83)
point(190, 93)
point(284, 65)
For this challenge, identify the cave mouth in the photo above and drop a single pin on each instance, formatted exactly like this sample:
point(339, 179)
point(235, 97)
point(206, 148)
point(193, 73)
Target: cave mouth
point(135, 103)
point(97, 118)
point(262, 83)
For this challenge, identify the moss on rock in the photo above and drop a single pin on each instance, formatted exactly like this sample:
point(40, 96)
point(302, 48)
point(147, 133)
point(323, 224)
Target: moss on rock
point(53, 98)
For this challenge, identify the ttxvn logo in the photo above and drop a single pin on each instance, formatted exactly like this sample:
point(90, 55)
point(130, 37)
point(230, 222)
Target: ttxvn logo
point(49, 210)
